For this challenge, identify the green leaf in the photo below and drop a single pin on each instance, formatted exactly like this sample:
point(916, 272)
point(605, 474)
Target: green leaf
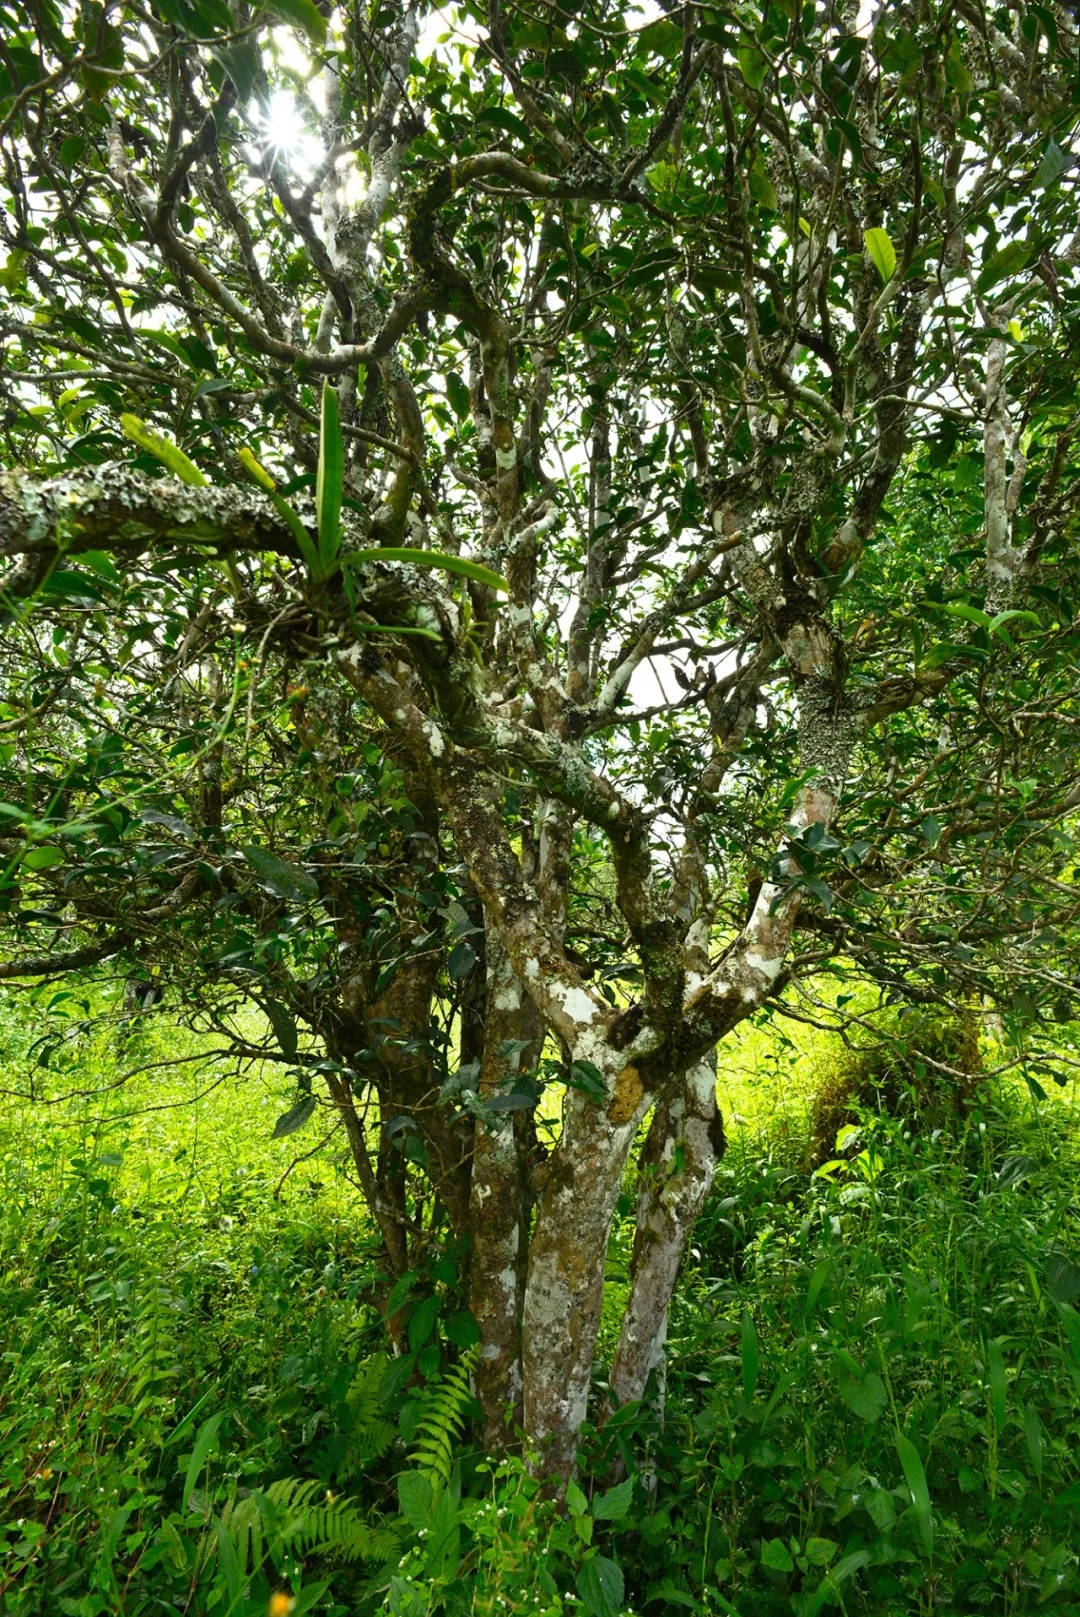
point(587, 1077)
point(243, 64)
point(1009, 261)
point(752, 65)
point(960, 609)
point(204, 1442)
point(170, 822)
point(300, 14)
point(866, 1397)
point(749, 1346)
point(601, 1587)
point(42, 858)
point(820, 1551)
point(295, 1117)
point(1052, 166)
point(760, 185)
point(1014, 614)
point(461, 1329)
point(915, 1477)
point(776, 1556)
point(330, 482)
point(416, 1496)
point(284, 1027)
point(162, 449)
point(422, 1322)
point(461, 961)
point(73, 584)
point(433, 558)
point(458, 394)
point(613, 1505)
point(882, 251)
point(308, 553)
point(576, 1502)
point(287, 881)
point(257, 473)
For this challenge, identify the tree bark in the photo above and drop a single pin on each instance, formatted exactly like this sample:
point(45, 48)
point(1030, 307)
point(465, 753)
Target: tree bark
point(684, 1144)
point(565, 1285)
point(499, 1209)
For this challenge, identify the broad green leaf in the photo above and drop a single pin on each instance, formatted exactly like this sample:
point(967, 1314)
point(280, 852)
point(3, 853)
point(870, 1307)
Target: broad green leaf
point(1009, 261)
point(287, 881)
point(821, 1270)
point(915, 1477)
point(752, 65)
point(422, 1322)
point(601, 1587)
point(960, 609)
point(162, 449)
point(776, 1556)
point(42, 858)
point(232, 1573)
point(1014, 614)
point(1052, 166)
point(295, 1117)
point(587, 1077)
point(881, 251)
point(433, 558)
point(284, 1027)
point(614, 1504)
point(330, 483)
point(301, 14)
point(458, 394)
point(398, 628)
point(204, 1442)
point(576, 1502)
point(866, 1396)
point(243, 64)
point(761, 186)
point(820, 1551)
point(73, 584)
point(460, 962)
point(416, 1496)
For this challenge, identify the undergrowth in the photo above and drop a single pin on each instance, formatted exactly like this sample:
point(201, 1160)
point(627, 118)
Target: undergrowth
point(872, 1401)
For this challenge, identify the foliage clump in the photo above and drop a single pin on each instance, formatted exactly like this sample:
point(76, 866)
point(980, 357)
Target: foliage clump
point(921, 1064)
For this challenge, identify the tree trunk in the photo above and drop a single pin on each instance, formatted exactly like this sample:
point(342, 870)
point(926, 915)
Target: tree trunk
point(565, 1285)
point(684, 1144)
point(499, 1209)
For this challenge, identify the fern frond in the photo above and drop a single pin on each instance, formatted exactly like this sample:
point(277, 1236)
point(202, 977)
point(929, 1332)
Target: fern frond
point(300, 1517)
point(443, 1421)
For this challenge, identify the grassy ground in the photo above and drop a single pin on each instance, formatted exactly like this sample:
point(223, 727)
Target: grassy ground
point(873, 1400)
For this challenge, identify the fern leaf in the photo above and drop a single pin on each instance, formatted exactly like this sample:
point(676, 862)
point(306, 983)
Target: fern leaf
point(444, 1421)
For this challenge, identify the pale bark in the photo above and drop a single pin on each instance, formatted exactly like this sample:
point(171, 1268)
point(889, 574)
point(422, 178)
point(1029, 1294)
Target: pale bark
point(684, 1144)
point(565, 1286)
point(499, 1208)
